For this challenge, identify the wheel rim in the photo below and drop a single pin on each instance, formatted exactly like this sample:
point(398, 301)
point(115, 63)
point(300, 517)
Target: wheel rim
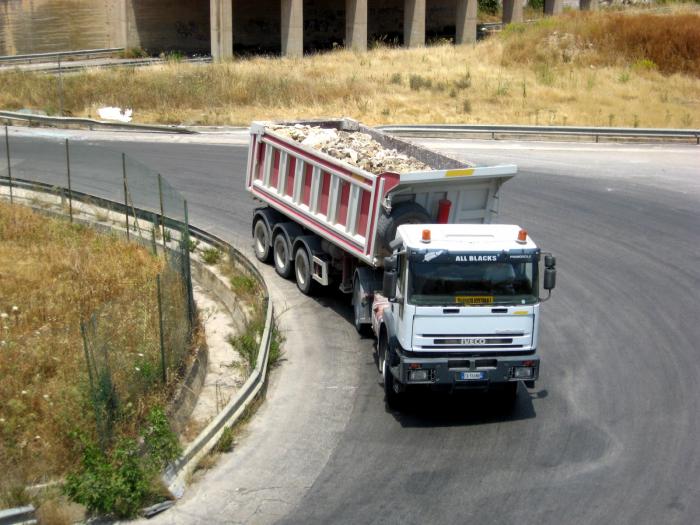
point(280, 252)
point(260, 238)
point(301, 268)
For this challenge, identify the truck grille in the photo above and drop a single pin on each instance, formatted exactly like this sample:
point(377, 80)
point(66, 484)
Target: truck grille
point(510, 340)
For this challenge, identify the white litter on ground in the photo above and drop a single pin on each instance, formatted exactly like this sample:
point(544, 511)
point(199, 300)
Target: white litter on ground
point(112, 113)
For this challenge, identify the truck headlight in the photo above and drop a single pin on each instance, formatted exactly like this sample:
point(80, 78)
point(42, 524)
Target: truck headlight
point(418, 375)
point(523, 372)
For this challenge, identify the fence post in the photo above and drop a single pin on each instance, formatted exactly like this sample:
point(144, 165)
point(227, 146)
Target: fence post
point(83, 333)
point(9, 165)
point(153, 235)
point(162, 213)
point(188, 271)
point(70, 188)
point(160, 330)
point(126, 201)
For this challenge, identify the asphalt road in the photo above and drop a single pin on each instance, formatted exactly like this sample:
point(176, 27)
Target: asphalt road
point(610, 434)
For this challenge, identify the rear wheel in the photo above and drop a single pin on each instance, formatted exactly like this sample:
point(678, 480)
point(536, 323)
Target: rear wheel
point(280, 255)
point(302, 270)
point(261, 238)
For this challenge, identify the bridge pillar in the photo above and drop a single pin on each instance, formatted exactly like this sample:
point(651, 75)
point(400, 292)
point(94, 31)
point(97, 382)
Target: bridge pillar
point(414, 23)
point(512, 11)
point(588, 5)
point(466, 21)
point(221, 21)
point(292, 23)
point(356, 25)
point(552, 7)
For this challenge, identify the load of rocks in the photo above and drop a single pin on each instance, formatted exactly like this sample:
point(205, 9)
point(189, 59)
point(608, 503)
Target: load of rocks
point(355, 148)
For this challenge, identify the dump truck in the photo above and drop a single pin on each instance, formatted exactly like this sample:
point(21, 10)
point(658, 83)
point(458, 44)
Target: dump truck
point(452, 299)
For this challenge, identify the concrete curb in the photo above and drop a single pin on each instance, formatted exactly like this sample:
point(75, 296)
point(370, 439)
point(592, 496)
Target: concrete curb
point(18, 515)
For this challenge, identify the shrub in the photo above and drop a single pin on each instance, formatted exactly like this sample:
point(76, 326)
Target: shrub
point(489, 7)
point(417, 82)
point(123, 480)
point(211, 255)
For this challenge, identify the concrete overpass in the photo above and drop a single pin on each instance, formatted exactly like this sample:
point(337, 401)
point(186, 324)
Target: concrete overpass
point(220, 26)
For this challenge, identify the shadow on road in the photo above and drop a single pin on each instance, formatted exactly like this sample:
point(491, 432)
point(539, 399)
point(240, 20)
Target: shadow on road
point(426, 408)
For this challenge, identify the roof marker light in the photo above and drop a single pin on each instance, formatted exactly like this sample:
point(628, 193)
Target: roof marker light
point(426, 236)
point(522, 236)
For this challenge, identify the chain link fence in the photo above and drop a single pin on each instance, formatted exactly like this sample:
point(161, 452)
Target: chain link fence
point(131, 350)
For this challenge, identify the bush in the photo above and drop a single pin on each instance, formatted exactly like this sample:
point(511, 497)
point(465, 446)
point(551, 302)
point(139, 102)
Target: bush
point(490, 7)
point(211, 255)
point(123, 480)
point(416, 82)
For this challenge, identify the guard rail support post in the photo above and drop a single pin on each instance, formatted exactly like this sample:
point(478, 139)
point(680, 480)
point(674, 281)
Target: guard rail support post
point(70, 188)
point(9, 165)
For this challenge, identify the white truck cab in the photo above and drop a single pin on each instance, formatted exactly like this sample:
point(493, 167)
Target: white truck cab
point(460, 308)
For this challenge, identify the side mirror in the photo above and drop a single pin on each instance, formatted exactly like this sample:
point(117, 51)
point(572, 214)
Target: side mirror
point(390, 263)
point(550, 272)
point(389, 284)
point(550, 278)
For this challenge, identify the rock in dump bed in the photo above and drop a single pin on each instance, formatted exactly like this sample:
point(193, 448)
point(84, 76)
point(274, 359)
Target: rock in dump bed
point(355, 148)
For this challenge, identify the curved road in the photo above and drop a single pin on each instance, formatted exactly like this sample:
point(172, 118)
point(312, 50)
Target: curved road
point(610, 434)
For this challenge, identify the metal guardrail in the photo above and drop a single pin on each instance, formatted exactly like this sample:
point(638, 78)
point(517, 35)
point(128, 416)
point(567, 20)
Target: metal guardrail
point(60, 54)
point(18, 515)
point(176, 474)
point(502, 130)
point(91, 123)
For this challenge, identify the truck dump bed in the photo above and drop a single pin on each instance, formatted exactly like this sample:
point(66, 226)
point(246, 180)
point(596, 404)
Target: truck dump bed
point(343, 203)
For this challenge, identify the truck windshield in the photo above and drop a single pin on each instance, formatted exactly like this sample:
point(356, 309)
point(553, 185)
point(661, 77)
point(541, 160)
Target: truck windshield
point(458, 283)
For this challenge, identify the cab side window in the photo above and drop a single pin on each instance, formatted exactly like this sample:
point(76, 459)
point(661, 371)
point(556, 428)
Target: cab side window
point(401, 284)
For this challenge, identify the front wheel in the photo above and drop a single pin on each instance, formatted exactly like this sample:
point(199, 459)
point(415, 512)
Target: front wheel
point(362, 328)
point(392, 389)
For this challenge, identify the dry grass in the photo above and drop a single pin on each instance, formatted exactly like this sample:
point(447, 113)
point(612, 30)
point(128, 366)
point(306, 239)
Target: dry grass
point(52, 276)
point(578, 69)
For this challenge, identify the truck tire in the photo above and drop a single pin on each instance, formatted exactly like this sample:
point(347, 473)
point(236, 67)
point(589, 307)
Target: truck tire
point(261, 241)
point(280, 255)
point(392, 394)
point(302, 271)
point(403, 213)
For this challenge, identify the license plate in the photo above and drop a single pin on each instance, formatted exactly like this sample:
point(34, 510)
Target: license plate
point(471, 376)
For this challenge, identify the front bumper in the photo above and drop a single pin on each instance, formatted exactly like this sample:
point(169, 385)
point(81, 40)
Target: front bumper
point(465, 372)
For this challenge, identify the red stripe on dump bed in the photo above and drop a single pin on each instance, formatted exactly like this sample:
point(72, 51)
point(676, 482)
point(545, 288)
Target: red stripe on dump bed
point(365, 197)
point(261, 160)
point(343, 207)
point(291, 169)
point(325, 190)
point(353, 247)
point(306, 185)
point(275, 175)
